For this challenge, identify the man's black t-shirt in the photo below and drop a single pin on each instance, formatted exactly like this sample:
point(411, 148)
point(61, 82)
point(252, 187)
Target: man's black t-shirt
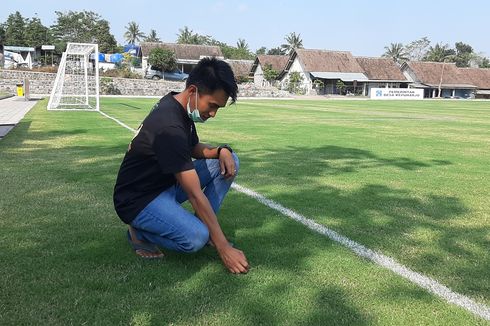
point(161, 147)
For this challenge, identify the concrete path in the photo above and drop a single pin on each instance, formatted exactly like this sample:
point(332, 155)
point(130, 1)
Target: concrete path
point(12, 110)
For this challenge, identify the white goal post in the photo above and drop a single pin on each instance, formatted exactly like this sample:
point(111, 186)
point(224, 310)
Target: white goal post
point(77, 82)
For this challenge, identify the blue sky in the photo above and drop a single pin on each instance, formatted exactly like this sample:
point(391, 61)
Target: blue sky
point(362, 27)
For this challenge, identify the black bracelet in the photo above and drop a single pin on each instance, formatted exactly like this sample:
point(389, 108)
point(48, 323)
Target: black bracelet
point(224, 146)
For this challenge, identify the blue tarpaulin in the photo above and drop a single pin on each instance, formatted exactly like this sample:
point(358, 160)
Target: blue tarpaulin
point(116, 57)
point(101, 57)
point(132, 49)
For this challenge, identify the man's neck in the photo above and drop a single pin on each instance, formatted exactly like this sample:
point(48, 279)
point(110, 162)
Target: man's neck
point(182, 98)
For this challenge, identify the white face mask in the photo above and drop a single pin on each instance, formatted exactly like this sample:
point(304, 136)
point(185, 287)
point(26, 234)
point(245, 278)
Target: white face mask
point(194, 115)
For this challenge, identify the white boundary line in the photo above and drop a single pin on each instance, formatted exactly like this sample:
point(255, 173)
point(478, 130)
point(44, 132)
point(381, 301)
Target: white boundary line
point(389, 263)
point(117, 121)
point(380, 259)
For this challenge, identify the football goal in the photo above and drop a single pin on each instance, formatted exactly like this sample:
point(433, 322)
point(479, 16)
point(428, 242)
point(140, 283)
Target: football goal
point(77, 82)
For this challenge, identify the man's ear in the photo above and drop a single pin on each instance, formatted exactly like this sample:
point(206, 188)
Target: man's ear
point(192, 89)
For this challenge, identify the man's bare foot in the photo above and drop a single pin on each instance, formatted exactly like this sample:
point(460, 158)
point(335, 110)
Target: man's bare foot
point(143, 249)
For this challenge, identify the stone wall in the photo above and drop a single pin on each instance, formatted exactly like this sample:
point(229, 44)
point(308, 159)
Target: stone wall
point(41, 83)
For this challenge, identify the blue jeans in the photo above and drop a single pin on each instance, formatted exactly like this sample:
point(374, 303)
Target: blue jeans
point(167, 224)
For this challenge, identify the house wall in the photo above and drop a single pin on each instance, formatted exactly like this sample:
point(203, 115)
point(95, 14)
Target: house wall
point(306, 83)
point(483, 96)
point(259, 76)
point(183, 66)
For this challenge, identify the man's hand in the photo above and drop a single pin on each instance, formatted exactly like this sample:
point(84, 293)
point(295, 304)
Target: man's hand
point(233, 259)
point(227, 163)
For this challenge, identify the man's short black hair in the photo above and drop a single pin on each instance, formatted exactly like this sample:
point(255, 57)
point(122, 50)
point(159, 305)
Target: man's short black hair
point(212, 74)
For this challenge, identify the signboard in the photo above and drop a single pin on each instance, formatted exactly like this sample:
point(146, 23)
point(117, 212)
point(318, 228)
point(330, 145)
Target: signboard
point(47, 47)
point(397, 94)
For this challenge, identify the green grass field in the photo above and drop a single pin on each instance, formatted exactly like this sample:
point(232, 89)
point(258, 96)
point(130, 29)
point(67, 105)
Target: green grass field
point(408, 179)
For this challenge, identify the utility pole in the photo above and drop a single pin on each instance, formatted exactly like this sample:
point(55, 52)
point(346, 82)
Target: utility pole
point(442, 74)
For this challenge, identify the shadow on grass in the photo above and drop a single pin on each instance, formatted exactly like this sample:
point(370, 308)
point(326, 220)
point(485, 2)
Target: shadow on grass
point(425, 231)
point(129, 106)
point(328, 160)
point(68, 249)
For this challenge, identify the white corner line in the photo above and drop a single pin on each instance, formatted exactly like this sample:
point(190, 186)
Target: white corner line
point(389, 263)
point(117, 121)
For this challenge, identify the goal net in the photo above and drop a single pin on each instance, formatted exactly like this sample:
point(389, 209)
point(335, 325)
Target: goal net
point(77, 82)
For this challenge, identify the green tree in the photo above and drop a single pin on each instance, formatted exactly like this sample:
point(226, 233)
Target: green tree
point(187, 36)
point(133, 33)
point(261, 51)
point(485, 63)
point(2, 34)
point(242, 45)
point(82, 27)
point(162, 59)
point(36, 34)
point(276, 51)
point(75, 26)
point(340, 86)
point(152, 36)
point(102, 36)
point(396, 52)
point(15, 30)
point(416, 50)
point(240, 52)
point(440, 53)
point(270, 74)
point(294, 85)
point(293, 41)
point(464, 54)
point(230, 52)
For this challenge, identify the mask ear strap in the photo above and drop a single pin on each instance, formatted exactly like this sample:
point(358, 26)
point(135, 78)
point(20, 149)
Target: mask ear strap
point(196, 99)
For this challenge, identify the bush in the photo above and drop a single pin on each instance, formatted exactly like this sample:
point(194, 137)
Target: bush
point(242, 79)
point(270, 74)
point(123, 72)
point(107, 87)
point(340, 87)
point(294, 85)
point(50, 69)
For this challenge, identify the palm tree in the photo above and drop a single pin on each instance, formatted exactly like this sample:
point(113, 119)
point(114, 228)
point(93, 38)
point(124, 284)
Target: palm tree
point(242, 44)
point(276, 51)
point(396, 51)
point(133, 33)
point(440, 53)
point(152, 37)
point(186, 36)
point(293, 42)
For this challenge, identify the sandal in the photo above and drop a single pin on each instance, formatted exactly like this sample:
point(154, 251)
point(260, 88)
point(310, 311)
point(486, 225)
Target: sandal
point(145, 246)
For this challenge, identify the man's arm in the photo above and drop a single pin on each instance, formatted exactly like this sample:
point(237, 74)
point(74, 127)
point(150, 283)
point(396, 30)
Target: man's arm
point(204, 151)
point(226, 161)
point(232, 258)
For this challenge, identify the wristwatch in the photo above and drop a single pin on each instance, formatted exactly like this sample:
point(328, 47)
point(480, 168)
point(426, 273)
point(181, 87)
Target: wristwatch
point(224, 146)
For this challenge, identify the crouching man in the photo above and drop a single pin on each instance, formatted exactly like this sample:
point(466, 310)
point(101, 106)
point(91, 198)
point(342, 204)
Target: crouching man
point(158, 172)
